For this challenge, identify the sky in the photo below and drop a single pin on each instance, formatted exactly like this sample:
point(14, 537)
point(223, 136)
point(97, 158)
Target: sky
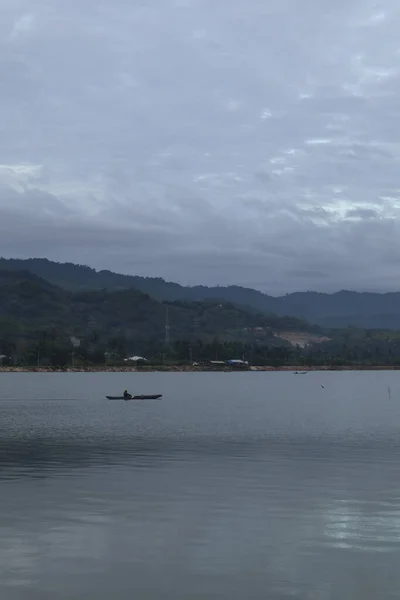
point(204, 141)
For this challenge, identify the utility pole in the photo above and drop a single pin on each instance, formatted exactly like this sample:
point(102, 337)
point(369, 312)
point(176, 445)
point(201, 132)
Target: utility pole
point(167, 328)
point(196, 325)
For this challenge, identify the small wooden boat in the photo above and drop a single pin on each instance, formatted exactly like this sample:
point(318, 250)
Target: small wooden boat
point(300, 372)
point(140, 397)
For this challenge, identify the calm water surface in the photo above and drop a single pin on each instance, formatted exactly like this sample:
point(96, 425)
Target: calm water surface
point(248, 485)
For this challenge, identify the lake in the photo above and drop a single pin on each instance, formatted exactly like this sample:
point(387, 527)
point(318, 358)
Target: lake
point(233, 486)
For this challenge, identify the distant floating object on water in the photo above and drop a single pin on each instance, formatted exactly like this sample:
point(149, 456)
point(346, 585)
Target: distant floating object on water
point(139, 397)
point(300, 372)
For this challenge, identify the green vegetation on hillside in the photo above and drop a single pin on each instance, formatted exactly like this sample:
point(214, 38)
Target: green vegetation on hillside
point(41, 323)
point(38, 317)
point(344, 308)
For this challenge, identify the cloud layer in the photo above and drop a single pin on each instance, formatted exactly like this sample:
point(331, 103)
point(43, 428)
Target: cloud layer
point(254, 142)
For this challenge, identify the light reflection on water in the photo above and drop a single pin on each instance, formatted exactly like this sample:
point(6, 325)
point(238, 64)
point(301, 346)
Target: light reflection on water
point(215, 492)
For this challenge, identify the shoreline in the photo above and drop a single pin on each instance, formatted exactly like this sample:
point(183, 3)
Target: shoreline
point(191, 369)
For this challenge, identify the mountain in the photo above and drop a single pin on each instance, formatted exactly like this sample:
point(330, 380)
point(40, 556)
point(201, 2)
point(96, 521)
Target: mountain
point(341, 309)
point(31, 307)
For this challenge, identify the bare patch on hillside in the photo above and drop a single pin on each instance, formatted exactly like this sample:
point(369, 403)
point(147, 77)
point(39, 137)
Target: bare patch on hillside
point(301, 338)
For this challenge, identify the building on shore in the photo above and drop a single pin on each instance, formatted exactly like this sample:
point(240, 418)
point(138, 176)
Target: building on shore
point(136, 359)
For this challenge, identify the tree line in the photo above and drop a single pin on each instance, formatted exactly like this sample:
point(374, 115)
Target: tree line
point(376, 348)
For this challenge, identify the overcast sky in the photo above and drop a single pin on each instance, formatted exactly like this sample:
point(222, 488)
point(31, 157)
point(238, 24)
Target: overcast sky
point(254, 142)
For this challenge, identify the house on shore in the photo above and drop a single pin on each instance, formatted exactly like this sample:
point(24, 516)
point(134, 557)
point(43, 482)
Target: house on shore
point(227, 364)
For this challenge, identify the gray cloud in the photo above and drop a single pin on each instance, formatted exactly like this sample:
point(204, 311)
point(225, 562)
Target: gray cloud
point(362, 213)
point(207, 142)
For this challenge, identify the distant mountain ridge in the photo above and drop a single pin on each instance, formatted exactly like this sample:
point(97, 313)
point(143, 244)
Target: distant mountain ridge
point(341, 309)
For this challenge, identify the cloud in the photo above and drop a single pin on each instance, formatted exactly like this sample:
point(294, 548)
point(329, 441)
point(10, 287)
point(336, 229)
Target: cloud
point(208, 143)
point(22, 25)
point(362, 213)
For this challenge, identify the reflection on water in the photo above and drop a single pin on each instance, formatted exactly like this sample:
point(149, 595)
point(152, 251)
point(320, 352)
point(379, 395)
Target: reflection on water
point(212, 493)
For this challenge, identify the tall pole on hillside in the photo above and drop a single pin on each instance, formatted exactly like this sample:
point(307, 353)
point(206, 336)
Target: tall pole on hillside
point(167, 327)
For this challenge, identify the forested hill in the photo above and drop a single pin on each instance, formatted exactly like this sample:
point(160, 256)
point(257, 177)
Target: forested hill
point(31, 306)
point(367, 310)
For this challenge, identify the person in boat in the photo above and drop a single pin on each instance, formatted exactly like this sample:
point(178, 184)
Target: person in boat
point(127, 394)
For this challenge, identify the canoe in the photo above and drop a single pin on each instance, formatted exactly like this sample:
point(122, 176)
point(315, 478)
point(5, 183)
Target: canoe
point(140, 397)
